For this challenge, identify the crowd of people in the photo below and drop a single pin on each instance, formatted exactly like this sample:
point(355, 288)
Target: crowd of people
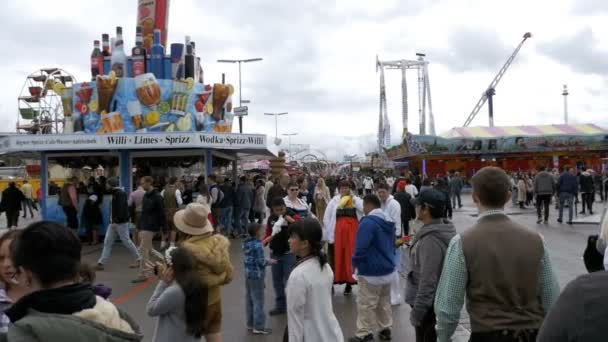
point(314, 234)
point(567, 189)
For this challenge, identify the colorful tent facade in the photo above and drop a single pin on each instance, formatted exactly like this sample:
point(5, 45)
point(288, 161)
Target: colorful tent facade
point(524, 131)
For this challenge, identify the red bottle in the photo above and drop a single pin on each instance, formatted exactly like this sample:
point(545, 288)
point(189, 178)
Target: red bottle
point(96, 61)
point(138, 54)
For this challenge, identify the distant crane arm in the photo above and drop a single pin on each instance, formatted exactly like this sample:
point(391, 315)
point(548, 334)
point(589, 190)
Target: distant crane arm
point(490, 90)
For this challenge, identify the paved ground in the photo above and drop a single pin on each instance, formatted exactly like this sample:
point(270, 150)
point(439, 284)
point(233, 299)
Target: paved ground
point(566, 244)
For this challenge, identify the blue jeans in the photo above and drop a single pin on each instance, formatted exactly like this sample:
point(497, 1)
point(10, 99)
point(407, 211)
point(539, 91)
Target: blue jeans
point(569, 198)
point(122, 230)
point(256, 318)
point(226, 219)
point(280, 274)
point(243, 221)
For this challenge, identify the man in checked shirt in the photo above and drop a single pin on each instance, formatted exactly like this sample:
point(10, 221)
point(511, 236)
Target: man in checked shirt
point(503, 268)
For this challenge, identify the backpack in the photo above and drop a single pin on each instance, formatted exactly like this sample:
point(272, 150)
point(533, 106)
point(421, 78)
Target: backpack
point(220, 194)
point(594, 260)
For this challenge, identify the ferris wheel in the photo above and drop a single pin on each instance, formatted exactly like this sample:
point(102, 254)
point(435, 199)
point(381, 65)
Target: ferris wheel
point(40, 106)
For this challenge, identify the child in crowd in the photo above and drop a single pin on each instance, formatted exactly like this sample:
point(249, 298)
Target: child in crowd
point(179, 284)
point(10, 290)
point(255, 273)
point(87, 276)
point(91, 217)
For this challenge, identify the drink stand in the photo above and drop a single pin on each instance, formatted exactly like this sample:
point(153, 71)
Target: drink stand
point(159, 114)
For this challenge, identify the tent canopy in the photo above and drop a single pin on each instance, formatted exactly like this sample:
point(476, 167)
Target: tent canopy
point(523, 131)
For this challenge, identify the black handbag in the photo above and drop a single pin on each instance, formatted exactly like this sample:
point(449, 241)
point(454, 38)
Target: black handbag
point(594, 260)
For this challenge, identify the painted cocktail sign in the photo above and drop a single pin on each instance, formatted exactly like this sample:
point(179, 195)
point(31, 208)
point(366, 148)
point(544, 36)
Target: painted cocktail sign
point(131, 141)
point(147, 104)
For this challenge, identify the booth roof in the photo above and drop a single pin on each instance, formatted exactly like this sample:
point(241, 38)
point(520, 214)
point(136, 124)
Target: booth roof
point(523, 131)
point(244, 146)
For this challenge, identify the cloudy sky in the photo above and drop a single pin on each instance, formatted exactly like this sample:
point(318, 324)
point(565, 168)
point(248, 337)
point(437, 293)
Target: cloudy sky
point(319, 58)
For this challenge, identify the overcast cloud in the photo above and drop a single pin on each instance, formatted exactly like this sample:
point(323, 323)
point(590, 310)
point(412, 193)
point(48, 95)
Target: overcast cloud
point(319, 58)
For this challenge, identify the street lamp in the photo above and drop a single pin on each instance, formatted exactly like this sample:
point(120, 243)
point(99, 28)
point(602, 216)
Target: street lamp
point(240, 61)
point(276, 123)
point(289, 135)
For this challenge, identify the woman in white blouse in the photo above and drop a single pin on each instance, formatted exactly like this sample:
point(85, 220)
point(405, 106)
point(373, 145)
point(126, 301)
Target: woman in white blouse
point(310, 314)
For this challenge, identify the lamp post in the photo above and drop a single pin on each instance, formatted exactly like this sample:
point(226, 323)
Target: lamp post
point(240, 61)
point(289, 135)
point(276, 123)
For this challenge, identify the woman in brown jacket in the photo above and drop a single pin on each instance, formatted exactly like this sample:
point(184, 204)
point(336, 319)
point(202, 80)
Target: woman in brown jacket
point(212, 259)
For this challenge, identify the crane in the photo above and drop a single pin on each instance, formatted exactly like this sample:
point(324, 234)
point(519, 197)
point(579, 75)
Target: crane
point(491, 90)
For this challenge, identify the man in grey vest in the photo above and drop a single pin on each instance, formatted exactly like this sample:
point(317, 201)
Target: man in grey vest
point(503, 268)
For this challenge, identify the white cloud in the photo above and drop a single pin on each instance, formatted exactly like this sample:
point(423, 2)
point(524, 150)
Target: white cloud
point(319, 57)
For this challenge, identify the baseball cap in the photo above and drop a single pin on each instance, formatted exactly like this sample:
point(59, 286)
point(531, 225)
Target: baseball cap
point(401, 185)
point(431, 198)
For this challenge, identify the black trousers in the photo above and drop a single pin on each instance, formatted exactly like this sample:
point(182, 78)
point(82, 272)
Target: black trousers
point(505, 336)
point(12, 218)
point(587, 199)
point(425, 332)
point(72, 216)
point(543, 202)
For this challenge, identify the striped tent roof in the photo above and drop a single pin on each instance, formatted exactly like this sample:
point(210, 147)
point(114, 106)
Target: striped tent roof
point(525, 131)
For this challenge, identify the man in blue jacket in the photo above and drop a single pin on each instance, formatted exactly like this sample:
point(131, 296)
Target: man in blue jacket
point(374, 262)
point(567, 186)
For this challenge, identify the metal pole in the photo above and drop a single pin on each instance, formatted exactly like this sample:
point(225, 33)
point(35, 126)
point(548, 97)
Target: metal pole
point(565, 94)
point(404, 97)
point(223, 110)
point(276, 125)
point(430, 103)
point(491, 106)
point(240, 101)
point(421, 113)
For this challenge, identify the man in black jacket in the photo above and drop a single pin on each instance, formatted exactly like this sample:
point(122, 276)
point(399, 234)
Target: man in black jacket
point(11, 204)
point(587, 190)
point(278, 190)
point(408, 211)
point(152, 220)
point(119, 219)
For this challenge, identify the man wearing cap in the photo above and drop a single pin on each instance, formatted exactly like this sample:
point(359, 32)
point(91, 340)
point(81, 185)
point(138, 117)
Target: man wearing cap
point(212, 261)
point(426, 261)
point(503, 268)
point(119, 219)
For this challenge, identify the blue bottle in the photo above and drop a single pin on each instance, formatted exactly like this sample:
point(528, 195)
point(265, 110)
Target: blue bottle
point(157, 54)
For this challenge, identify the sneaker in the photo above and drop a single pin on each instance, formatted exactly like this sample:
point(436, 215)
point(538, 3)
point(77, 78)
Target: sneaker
point(277, 312)
point(366, 338)
point(99, 267)
point(385, 335)
point(264, 331)
point(546, 221)
point(539, 221)
point(348, 290)
point(569, 222)
point(139, 279)
point(559, 220)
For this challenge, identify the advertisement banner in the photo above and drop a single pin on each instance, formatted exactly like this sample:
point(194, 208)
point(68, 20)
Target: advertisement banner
point(422, 145)
point(133, 141)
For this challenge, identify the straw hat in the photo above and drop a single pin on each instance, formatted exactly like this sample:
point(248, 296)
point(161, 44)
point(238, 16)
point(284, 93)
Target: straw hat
point(194, 219)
